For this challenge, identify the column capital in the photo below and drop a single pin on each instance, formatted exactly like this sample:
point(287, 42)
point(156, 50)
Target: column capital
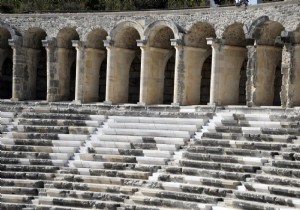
point(108, 43)
point(16, 41)
point(177, 42)
point(78, 44)
point(49, 42)
point(142, 42)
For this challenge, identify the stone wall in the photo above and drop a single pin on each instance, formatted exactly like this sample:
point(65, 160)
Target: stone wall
point(111, 40)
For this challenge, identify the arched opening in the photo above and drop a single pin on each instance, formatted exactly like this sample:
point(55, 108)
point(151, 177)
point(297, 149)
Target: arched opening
point(164, 54)
point(169, 81)
point(95, 66)
point(267, 54)
point(198, 68)
point(125, 43)
point(205, 81)
point(66, 63)
point(36, 62)
point(134, 79)
point(72, 81)
point(277, 85)
point(6, 79)
point(230, 58)
point(243, 82)
point(6, 65)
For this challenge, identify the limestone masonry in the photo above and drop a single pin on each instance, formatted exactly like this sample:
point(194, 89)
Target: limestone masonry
point(151, 110)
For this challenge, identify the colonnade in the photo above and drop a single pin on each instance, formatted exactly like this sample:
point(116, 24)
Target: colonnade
point(159, 64)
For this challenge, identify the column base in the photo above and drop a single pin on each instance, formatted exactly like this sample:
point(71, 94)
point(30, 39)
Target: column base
point(108, 103)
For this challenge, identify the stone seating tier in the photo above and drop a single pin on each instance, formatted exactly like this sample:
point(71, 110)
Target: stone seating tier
point(68, 157)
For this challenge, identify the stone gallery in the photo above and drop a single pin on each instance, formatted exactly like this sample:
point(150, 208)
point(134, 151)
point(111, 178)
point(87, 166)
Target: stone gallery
point(146, 110)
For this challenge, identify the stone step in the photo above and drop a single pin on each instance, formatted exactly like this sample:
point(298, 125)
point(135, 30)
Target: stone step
point(140, 139)
point(99, 165)
point(255, 161)
point(89, 195)
point(267, 198)
point(26, 161)
point(148, 126)
point(25, 148)
point(38, 155)
point(250, 152)
point(19, 191)
point(133, 152)
point(171, 203)
point(107, 158)
point(132, 174)
point(41, 142)
point(9, 198)
point(251, 137)
point(157, 120)
point(13, 206)
point(58, 122)
point(219, 166)
point(37, 115)
point(196, 180)
point(7, 114)
point(84, 203)
point(26, 175)
point(281, 131)
point(29, 168)
point(49, 136)
point(277, 180)
point(41, 129)
point(6, 121)
point(286, 164)
point(264, 146)
point(207, 173)
point(190, 197)
point(250, 205)
point(54, 207)
point(273, 189)
point(147, 132)
point(109, 188)
point(22, 183)
point(260, 124)
point(286, 172)
point(128, 146)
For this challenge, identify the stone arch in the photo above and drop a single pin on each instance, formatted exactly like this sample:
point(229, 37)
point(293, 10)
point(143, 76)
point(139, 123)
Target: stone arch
point(66, 63)
point(95, 37)
point(197, 34)
point(158, 64)
point(125, 34)
point(265, 31)
point(36, 63)
point(95, 66)
point(65, 36)
point(234, 35)
point(123, 82)
point(159, 33)
point(12, 30)
point(6, 64)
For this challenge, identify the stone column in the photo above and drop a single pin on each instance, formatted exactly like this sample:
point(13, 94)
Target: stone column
point(260, 85)
point(19, 69)
point(153, 64)
point(291, 69)
point(89, 61)
point(188, 69)
point(80, 57)
point(52, 77)
point(227, 62)
point(118, 66)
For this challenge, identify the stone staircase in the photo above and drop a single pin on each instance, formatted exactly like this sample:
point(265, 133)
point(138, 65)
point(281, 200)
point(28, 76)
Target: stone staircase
point(58, 157)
